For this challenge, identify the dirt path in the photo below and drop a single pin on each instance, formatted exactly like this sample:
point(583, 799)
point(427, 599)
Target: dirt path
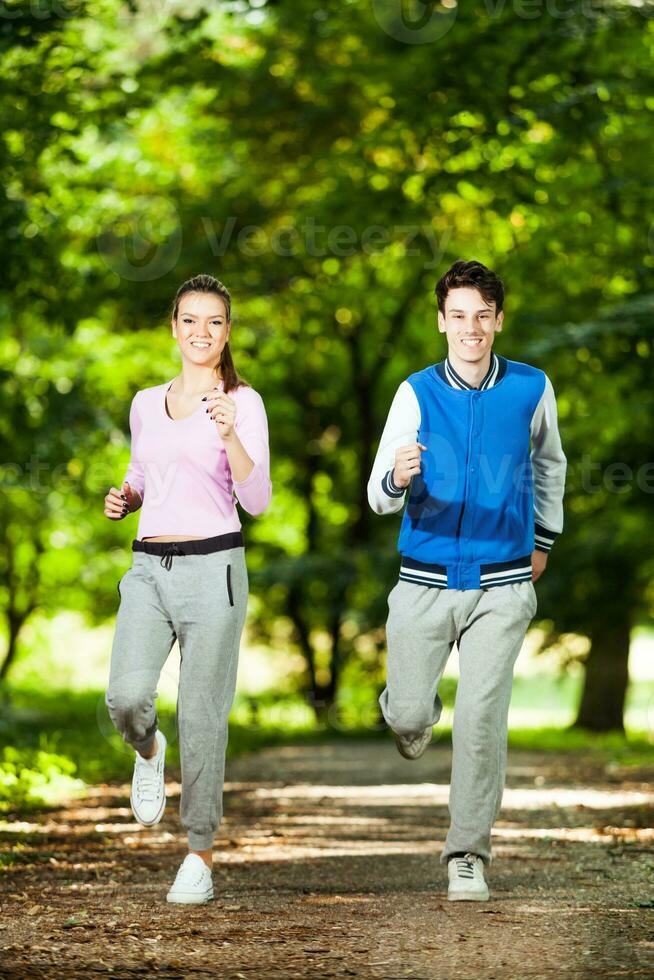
point(327, 866)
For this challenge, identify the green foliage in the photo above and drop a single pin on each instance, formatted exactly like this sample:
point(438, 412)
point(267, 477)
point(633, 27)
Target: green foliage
point(607, 748)
point(328, 172)
point(32, 777)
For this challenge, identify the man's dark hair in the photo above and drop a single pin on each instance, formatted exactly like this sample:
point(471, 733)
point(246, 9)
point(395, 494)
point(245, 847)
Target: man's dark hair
point(472, 274)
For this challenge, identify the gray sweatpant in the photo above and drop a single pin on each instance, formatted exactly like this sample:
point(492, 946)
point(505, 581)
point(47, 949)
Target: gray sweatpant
point(489, 626)
point(200, 600)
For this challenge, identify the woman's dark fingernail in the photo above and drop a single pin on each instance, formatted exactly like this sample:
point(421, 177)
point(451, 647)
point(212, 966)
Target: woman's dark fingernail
point(123, 496)
point(204, 399)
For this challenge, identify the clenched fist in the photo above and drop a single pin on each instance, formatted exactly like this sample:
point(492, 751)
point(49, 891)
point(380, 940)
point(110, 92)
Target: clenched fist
point(118, 503)
point(222, 411)
point(407, 463)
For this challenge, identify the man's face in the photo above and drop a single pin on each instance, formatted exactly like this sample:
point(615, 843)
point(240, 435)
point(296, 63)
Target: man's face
point(470, 323)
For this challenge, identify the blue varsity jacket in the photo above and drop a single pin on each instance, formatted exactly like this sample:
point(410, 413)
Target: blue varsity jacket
point(492, 477)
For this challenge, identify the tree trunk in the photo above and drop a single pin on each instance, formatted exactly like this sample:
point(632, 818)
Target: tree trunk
point(15, 624)
point(607, 677)
point(302, 633)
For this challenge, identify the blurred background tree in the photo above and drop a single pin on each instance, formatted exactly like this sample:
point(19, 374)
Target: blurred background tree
point(328, 168)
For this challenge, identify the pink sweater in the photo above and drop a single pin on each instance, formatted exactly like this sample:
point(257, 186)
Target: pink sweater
point(180, 466)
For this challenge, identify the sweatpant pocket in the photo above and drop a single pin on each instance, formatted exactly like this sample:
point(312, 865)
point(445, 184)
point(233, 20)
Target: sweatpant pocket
point(519, 589)
point(229, 584)
point(121, 580)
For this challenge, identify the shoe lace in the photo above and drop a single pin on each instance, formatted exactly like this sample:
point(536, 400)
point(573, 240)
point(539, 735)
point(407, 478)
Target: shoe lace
point(414, 737)
point(465, 866)
point(147, 782)
point(190, 874)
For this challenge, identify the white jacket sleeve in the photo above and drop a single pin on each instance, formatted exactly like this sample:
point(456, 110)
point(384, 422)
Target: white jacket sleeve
point(548, 464)
point(401, 429)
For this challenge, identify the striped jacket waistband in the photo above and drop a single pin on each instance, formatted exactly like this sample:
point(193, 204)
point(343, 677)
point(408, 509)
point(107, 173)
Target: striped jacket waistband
point(474, 576)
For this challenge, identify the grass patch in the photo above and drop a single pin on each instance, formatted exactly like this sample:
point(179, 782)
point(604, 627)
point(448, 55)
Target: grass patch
point(53, 743)
point(633, 750)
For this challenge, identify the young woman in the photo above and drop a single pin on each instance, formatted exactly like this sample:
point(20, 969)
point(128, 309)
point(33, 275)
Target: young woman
point(197, 441)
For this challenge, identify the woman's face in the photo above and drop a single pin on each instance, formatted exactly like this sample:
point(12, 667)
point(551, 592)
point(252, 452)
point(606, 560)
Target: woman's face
point(201, 328)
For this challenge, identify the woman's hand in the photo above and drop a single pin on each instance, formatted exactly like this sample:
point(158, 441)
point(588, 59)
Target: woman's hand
point(119, 503)
point(222, 410)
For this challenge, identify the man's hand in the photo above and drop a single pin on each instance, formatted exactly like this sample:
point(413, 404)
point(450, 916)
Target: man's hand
point(407, 463)
point(538, 563)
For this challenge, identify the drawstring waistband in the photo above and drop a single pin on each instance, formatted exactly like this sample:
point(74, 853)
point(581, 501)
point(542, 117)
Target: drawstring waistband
point(191, 546)
point(168, 554)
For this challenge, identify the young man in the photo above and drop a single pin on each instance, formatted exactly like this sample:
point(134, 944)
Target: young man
point(482, 512)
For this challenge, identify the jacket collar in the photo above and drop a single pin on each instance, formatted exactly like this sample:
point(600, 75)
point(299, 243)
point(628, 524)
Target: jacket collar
point(495, 372)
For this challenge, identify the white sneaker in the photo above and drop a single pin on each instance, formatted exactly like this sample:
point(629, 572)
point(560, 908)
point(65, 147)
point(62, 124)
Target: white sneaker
point(148, 797)
point(193, 884)
point(467, 881)
point(412, 746)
